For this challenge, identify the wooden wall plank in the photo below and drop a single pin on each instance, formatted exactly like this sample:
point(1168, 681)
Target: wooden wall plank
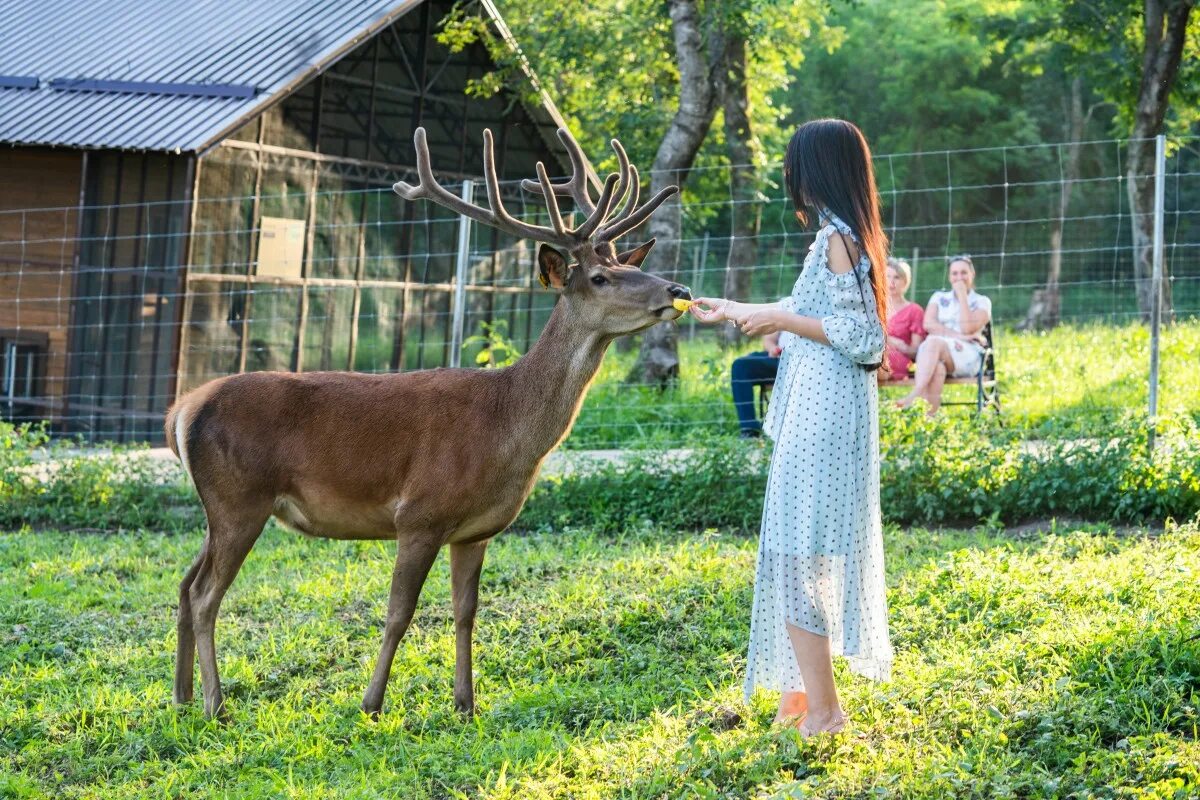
point(38, 225)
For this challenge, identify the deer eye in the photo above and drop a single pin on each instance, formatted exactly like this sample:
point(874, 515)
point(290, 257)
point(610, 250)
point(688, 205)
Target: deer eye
point(599, 280)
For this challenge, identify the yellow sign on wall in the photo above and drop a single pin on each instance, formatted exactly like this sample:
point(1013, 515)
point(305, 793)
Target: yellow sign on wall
point(281, 247)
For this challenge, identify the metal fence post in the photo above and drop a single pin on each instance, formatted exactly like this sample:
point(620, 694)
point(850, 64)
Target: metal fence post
point(916, 260)
point(699, 263)
point(460, 279)
point(1160, 185)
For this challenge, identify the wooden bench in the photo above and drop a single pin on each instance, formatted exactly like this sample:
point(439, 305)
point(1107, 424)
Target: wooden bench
point(987, 390)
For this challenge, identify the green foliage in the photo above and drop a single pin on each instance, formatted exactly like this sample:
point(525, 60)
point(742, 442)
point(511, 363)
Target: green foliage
point(934, 471)
point(719, 485)
point(45, 484)
point(496, 349)
point(1071, 381)
point(940, 81)
point(943, 470)
point(1070, 444)
point(1107, 41)
point(1058, 665)
point(610, 68)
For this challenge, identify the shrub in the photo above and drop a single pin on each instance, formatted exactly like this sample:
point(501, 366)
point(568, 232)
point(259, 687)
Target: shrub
point(721, 484)
point(45, 484)
point(948, 470)
point(960, 471)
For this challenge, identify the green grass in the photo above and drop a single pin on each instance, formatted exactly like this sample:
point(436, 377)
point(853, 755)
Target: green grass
point(1084, 376)
point(1036, 665)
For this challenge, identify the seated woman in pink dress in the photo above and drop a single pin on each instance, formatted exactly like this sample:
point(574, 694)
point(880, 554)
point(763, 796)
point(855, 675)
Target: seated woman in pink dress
point(906, 321)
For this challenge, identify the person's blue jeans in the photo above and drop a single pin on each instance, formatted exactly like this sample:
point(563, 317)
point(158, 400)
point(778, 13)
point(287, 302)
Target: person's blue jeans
point(747, 372)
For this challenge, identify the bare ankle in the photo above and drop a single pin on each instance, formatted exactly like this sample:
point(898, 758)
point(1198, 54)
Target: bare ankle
point(828, 721)
point(820, 717)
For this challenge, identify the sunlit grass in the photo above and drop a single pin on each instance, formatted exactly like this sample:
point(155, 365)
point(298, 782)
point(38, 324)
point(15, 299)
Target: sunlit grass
point(1082, 375)
point(1064, 664)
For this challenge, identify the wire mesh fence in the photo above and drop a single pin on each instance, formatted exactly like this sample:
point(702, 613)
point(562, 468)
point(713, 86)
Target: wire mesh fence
point(108, 312)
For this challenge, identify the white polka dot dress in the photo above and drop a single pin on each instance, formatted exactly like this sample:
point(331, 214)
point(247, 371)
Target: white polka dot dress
point(820, 556)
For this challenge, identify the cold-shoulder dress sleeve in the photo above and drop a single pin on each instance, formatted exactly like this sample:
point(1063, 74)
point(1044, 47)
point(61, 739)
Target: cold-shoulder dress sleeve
point(852, 327)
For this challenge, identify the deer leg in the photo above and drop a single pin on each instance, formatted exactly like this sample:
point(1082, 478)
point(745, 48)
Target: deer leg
point(185, 646)
point(466, 562)
point(229, 541)
point(414, 557)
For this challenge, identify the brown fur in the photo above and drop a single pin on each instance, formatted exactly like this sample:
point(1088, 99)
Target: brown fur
point(444, 456)
point(431, 458)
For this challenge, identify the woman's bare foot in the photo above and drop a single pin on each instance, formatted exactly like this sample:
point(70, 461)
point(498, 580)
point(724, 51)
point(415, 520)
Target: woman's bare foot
point(831, 723)
point(792, 707)
point(906, 401)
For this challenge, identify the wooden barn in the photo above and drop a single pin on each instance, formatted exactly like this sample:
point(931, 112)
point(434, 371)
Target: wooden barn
point(192, 189)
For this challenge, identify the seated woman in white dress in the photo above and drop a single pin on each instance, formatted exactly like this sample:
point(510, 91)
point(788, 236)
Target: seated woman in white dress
point(954, 321)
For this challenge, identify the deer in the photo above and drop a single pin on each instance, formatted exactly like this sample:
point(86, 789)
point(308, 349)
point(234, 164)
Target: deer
point(428, 458)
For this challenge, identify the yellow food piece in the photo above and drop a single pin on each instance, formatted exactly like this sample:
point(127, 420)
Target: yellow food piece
point(681, 304)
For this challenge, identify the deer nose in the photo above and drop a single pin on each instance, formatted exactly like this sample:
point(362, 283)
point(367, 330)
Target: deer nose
point(680, 292)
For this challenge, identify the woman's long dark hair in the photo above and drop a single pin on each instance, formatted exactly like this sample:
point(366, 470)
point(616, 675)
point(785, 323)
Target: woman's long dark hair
point(828, 165)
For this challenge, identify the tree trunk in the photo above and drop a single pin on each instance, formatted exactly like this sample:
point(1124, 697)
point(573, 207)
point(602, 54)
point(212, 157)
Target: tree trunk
point(1045, 306)
point(745, 214)
point(658, 359)
point(1165, 29)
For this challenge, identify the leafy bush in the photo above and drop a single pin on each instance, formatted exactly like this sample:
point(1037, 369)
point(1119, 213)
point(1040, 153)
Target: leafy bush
point(940, 471)
point(45, 484)
point(719, 485)
point(948, 470)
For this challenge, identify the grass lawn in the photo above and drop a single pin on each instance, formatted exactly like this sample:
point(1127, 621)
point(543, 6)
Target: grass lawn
point(1063, 664)
point(1079, 375)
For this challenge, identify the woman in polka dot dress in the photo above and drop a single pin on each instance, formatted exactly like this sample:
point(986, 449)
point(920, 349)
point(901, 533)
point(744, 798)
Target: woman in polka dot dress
point(819, 589)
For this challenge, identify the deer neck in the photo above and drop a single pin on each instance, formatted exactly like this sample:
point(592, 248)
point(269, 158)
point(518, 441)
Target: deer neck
point(551, 381)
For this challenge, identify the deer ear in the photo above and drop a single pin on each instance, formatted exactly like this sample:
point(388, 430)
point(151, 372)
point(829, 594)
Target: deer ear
point(552, 267)
point(635, 257)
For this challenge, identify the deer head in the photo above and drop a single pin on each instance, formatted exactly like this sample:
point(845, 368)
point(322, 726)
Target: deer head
point(602, 290)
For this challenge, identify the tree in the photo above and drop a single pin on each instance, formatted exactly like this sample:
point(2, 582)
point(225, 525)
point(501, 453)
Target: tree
point(733, 45)
point(653, 73)
point(745, 154)
point(1147, 67)
point(1164, 31)
point(1057, 67)
point(1045, 304)
point(658, 360)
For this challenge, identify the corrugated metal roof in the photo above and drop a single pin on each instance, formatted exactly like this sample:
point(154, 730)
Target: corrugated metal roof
point(272, 45)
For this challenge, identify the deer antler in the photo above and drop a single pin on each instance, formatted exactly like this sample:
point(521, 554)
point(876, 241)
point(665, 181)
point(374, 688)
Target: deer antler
point(576, 188)
point(597, 227)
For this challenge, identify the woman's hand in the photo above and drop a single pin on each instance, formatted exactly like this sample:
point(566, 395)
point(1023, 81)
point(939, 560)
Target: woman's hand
point(715, 309)
point(977, 337)
point(754, 320)
point(771, 345)
point(761, 322)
